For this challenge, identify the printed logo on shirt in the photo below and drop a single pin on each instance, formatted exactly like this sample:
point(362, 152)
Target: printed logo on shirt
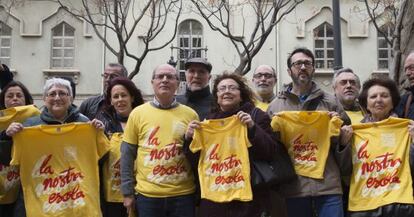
point(381, 173)
point(62, 188)
point(304, 153)
point(227, 170)
point(167, 161)
point(9, 178)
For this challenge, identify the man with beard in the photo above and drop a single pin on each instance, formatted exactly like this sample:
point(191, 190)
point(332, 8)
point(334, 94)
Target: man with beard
point(405, 108)
point(346, 86)
point(310, 196)
point(264, 80)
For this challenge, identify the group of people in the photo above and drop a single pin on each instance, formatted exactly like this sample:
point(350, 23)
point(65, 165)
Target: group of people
point(190, 155)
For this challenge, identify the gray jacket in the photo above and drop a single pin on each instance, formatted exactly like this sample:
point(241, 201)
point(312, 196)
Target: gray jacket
point(319, 100)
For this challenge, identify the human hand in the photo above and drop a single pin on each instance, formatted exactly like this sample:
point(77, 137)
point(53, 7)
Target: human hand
point(190, 129)
point(245, 118)
point(129, 204)
point(333, 114)
point(97, 124)
point(346, 134)
point(14, 128)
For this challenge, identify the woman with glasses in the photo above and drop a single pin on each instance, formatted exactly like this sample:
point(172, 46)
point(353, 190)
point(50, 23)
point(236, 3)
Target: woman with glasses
point(57, 96)
point(234, 133)
point(16, 105)
point(121, 97)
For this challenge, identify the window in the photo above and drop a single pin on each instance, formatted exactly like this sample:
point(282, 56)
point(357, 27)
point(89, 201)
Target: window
point(190, 35)
point(324, 46)
point(63, 46)
point(5, 43)
point(384, 48)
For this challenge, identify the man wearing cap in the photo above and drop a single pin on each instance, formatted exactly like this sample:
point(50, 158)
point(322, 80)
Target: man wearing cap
point(197, 94)
point(264, 80)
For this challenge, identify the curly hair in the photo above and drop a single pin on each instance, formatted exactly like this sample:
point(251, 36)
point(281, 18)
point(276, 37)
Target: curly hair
point(246, 94)
point(27, 96)
point(131, 88)
point(383, 82)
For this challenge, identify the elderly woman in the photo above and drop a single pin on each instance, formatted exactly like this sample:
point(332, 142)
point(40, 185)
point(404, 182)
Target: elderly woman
point(57, 96)
point(382, 157)
point(14, 94)
point(121, 97)
point(233, 107)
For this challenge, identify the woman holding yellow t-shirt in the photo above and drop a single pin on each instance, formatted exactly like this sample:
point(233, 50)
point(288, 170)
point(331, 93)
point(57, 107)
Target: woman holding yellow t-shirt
point(382, 155)
point(224, 144)
point(14, 94)
point(121, 97)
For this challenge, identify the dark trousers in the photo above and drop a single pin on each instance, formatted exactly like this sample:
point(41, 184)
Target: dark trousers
point(179, 206)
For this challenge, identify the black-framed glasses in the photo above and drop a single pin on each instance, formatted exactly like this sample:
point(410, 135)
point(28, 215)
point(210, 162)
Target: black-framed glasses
point(409, 67)
point(298, 64)
point(265, 75)
point(109, 76)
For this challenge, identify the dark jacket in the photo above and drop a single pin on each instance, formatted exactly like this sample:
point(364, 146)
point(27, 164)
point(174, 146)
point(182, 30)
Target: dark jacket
point(91, 106)
point(199, 100)
point(400, 109)
point(5, 76)
point(263, 147)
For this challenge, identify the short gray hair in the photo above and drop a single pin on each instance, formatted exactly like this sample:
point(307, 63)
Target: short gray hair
point(124, 71)
point(57, 82)
point(342, 70)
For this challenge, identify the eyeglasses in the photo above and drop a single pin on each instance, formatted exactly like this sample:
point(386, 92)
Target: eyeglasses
point(162, 76)
point(109, 76)
point(265, 75)
point(409, 67)
point(298, 64)
point(60, 94)
point(230, 88)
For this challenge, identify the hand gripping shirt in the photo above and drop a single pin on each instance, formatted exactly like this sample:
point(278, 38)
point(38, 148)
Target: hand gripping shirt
point(59, 169)
point(162, 168)
point(381, 169)
point(9, 175)
point(306, 135)
point(111, 170)
point(224, 167)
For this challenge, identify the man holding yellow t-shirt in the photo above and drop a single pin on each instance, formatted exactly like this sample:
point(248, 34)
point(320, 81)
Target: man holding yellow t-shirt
point(322, 196)
point(153, 138)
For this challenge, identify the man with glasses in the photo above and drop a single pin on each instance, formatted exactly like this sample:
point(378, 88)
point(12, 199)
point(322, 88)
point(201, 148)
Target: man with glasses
point(264, 80)
point(309, 196)
point(91, 106)
point(163, 184)
point(346, 87)
point(405, 108)
point(197, 94)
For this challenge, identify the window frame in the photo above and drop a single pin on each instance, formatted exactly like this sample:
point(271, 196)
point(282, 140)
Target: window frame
point(326, 48)
point(63, 48)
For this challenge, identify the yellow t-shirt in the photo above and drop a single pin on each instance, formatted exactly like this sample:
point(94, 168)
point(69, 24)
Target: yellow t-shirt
point(306, 135)
point(261, 105)
point(59, 169)
point(162, 168)
point(111, 170)
point(9, 175)
point(16, 114)
point(355, 116)
point(381, 168)
point(224, 167)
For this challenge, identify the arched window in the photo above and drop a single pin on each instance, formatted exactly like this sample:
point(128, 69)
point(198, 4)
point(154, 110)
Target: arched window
point(63, 46)
point(190, 40)
point(384, 48)
point(324, 46)
point(5, 43)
